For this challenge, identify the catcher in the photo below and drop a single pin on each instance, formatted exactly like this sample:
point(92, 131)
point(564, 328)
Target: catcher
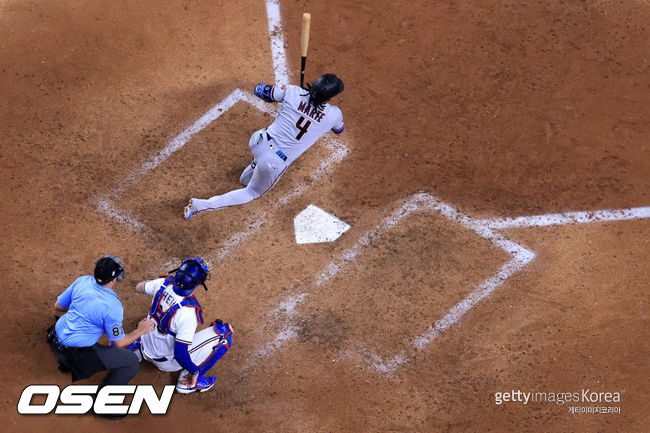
point(173, 345)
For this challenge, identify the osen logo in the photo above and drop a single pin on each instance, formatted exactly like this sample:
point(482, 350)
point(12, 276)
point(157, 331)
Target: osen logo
point(80, 399)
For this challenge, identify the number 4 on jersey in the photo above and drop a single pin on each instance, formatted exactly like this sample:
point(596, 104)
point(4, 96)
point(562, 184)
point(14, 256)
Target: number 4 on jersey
point(302, 128)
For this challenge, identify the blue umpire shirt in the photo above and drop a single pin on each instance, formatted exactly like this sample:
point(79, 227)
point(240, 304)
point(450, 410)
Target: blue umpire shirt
point(92, 311)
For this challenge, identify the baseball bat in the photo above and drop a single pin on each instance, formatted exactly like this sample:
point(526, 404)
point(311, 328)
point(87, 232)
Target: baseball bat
point(304, 43)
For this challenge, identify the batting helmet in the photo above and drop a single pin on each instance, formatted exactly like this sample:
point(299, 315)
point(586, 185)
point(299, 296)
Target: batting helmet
point(190, 274)
point(108, 268)
point(323, 89)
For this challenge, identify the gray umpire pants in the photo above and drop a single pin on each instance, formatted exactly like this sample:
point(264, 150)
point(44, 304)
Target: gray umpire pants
point(83, 362)
point(122, 364)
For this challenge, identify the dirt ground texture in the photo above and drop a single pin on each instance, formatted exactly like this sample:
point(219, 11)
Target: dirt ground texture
point(499, 108)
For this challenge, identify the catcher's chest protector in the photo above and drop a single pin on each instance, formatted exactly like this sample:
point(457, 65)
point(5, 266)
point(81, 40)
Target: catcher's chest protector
point(163, 317)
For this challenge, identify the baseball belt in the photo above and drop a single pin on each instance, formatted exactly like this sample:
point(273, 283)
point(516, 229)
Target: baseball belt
point(53, 339)
point(278, 152)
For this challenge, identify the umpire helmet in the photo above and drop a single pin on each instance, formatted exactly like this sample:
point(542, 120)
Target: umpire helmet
point(190, 274)
point(108, 268)
point(323, 89)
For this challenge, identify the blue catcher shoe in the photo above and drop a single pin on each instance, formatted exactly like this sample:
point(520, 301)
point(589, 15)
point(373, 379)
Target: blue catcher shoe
point(205, 383)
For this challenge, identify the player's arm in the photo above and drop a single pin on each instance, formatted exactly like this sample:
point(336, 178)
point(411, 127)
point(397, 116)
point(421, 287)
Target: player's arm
point(269, 93)
point(115, 331)
point(59, 307)
point(182, 355)
point(187, 323)
point(149, 287)
point(144, 327)
point(339, 126)
point(140, 286)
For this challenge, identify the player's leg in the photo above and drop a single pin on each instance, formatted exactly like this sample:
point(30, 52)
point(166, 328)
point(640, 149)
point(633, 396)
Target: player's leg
point(265, 175)
point(232, 198)
point(167, 363)
point(247, 174)
point(236, 197)
point(253, 144)
point(268, 165)
point(208, 346)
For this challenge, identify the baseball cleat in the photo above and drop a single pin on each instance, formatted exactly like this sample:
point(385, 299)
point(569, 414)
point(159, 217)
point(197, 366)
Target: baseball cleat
point(203, 384)
point(189, 211)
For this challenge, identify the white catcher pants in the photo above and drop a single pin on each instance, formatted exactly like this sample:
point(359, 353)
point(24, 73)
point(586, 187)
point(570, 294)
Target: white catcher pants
point(205, 345)
point(269, 167)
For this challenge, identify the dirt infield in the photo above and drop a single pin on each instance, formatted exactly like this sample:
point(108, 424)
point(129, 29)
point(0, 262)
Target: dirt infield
point(411, 321)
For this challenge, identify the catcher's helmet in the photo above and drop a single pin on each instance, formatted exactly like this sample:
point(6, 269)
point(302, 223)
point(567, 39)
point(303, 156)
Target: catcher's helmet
point(190, 274)
point(108, 268)
point(324, 88)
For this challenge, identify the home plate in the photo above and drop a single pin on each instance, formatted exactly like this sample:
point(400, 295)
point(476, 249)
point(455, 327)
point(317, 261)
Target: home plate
point(314, 225)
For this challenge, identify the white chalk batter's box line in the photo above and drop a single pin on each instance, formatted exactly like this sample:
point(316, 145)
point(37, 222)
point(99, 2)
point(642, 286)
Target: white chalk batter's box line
point(288, 308)
point(106, 203)
point(287, 312)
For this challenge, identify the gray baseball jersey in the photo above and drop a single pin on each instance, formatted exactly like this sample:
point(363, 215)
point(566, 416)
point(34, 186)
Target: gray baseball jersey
point(299, 125)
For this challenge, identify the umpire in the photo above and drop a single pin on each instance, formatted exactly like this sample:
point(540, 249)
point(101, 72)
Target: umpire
point(93, 309)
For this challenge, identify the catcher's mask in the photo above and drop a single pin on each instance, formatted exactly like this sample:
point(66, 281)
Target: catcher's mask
point(323, 89)
point(108, 268)
point(191, 273)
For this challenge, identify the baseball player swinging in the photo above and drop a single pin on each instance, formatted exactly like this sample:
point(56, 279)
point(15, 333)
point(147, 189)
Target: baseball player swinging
point(173, 345)
point(304, 117)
